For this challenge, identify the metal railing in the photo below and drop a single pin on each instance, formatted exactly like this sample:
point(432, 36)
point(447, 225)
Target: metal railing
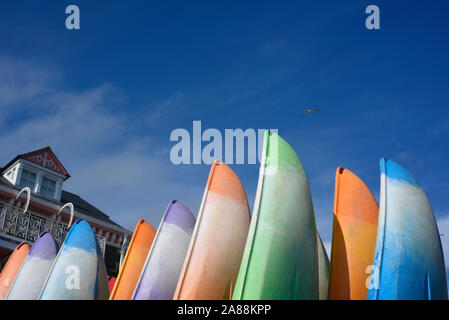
point(28, 226)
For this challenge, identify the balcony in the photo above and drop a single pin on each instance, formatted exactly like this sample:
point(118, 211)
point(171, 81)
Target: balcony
point(14, 223)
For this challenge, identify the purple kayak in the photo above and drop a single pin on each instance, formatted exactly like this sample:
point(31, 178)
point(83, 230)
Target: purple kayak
point(31, 277)
point(164, 262)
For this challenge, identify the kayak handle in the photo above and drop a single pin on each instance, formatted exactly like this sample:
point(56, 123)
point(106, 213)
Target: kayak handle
point(28, 192)
point(122, 250)
point(72, 209)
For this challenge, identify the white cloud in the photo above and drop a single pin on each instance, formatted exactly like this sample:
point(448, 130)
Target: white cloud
point(69, 122)
point(125, 175)
point(165, 110)
point(21, 81)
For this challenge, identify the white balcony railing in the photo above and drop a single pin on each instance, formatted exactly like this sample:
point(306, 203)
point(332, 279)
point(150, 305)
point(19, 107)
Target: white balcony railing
point(28, 226)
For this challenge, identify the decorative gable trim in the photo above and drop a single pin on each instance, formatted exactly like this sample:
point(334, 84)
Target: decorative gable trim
point(47, 159)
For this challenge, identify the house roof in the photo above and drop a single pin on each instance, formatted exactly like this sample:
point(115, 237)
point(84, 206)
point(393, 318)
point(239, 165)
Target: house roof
point(85, 207)
point(80, 205)
point(44, 157)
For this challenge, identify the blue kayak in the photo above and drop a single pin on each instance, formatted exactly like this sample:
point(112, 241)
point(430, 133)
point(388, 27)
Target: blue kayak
point(408, 261)
point(78, 272)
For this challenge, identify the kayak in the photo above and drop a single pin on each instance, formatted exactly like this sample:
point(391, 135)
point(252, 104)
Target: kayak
point(218, 240)
point(134, 261)
point(354, 237)
point(163, 265)
point(409, 262)
point(280, 260)
point(323, 270)
point(31, 276)
point(78, 272)
point(111, 281)
point(11, 268)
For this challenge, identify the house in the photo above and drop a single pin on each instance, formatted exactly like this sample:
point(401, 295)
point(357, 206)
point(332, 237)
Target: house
point(45, 175)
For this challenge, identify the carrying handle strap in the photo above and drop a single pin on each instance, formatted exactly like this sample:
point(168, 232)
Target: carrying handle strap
point(72, 209)
point(28, 192)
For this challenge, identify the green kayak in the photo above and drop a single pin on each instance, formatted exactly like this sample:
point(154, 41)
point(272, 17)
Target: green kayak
point(280, 260)
point(323, 269)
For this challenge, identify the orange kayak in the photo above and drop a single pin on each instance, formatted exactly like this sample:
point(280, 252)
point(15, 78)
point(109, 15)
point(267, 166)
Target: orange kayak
point(215, 251)
point(133, 262)
point(11, 268)
point(354, 237)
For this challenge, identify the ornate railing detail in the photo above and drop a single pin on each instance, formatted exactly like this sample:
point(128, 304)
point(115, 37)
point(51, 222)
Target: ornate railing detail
point(102, 243)
point(15, 222)
point(28, 226)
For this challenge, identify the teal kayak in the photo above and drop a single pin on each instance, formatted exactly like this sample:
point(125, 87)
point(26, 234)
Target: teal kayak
point(323, 270)
point(409, 261)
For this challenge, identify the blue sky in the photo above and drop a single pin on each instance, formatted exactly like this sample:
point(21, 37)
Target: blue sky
point(107, 96)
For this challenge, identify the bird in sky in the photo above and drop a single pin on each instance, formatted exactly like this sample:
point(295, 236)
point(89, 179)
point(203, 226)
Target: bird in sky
point(309, 111)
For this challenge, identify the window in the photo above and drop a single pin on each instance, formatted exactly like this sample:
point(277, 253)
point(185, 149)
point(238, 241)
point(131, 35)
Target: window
point(28, 179)
point(48, 187)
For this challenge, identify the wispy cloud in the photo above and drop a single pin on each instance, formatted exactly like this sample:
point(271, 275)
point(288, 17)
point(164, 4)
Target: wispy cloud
point(165, 110)
point(22, 80)
point(72, 123)
point(125, 175)
point(439, 128)
point(273, 46)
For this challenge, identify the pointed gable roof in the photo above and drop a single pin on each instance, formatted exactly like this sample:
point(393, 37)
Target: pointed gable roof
point(47, 159)
point(44, 157)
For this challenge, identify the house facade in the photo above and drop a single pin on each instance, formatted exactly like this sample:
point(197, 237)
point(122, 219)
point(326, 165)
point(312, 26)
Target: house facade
point(45, 175)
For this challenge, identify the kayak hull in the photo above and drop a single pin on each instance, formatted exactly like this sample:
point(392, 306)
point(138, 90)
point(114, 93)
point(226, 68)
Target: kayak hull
point(78, 272)
point(409, 263)
point(111, 281)
point(164, 263)
point(215, 250)
point(354, 237)
point(12, 267)
point(134, 261)
point(280, 259)
point(323, 270)
point(31, 276)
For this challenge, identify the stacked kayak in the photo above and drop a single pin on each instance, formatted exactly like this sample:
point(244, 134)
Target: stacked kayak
point(213, 258)
point(280, 259)
point(409, 262)
point(164, 263)
point(78, 272)
point(353, 238)
point(111, 282)
point(323, 270)
point(134, 261)
point(387, 252)
point(12, 267)
point(31, 276)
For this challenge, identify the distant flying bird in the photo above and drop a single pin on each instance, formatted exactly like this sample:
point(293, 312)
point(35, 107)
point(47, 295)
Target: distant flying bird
point(309, 111)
